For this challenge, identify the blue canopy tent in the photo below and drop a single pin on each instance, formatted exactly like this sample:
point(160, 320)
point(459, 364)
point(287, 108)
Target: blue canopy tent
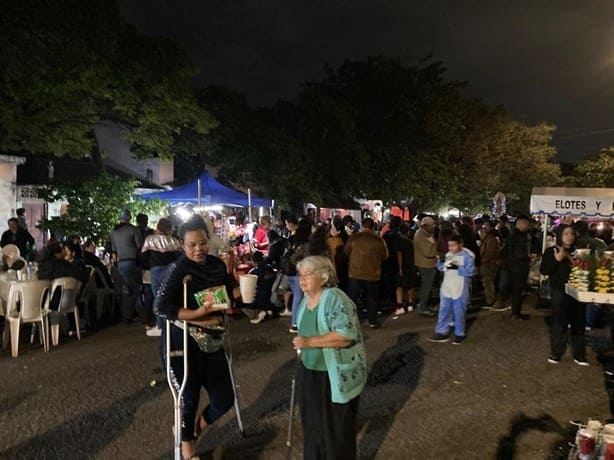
point(206, 191)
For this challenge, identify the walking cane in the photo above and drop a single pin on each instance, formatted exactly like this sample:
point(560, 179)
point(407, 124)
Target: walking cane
point(228, 353)
point(292, 395)
point(178, 393)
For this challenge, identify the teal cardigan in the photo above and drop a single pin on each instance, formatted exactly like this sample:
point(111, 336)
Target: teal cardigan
point(347, 367)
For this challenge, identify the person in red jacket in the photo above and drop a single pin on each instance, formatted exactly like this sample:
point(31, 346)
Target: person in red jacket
point(261, 241)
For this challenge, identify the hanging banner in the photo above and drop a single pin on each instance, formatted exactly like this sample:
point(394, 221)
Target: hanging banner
point(588, 202)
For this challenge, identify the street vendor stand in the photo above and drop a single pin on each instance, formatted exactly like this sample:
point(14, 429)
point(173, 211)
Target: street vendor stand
point(577, 202)
point(571, 201)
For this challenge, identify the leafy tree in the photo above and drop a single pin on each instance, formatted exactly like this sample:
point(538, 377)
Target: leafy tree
point(378, 128)
point(93, 206)
point(595, 171)
point(66, 65)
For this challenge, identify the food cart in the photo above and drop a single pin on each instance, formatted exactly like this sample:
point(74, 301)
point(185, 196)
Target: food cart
point(586, 203)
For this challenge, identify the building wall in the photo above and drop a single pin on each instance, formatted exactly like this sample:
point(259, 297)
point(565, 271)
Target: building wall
point(8, 201)
point(117, 155)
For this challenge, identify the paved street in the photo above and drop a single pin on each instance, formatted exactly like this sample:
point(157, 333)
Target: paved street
point(494, 396)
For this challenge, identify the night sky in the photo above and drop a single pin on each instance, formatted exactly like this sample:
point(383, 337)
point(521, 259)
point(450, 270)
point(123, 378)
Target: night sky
point(543, 60)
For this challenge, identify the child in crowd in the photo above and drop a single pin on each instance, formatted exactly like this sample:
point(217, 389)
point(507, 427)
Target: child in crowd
point(457, 266)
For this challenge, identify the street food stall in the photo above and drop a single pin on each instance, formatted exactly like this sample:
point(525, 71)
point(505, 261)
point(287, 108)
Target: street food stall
point(590, 280)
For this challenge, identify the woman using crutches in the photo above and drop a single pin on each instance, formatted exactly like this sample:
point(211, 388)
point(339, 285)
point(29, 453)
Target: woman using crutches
point(207, 364)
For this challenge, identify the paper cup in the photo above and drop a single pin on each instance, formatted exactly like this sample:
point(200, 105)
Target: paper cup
point(247, 285)
point(608, 448)
point(586, 442)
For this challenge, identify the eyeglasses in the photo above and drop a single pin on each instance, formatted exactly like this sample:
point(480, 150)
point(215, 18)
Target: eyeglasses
point(306, 275)
point(200, 244)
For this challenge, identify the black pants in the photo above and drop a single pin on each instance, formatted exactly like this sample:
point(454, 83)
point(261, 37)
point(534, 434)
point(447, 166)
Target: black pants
point(207, 370)
point(567, 311)
point(329, 429)
point(518, 282)
point(370, 288)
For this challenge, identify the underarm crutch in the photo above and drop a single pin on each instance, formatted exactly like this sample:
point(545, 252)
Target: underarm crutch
point(178, 393)
point(228, 353)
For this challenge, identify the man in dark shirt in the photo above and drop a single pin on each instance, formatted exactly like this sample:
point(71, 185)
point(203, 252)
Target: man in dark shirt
point(90, 258)
point(17, 236)
point(126, 244)
point(516, 260)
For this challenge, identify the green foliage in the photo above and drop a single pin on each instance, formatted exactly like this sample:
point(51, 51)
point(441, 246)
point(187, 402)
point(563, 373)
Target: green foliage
point(67, 65)
point(94, 205)
point(595, 171)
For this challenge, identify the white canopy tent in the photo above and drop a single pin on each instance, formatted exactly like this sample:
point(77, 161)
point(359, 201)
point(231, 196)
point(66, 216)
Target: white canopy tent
point(571, 201)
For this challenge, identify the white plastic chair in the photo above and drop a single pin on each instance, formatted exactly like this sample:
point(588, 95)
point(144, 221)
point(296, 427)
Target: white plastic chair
point(69, 292)
point(27, 304)
point(11, 251)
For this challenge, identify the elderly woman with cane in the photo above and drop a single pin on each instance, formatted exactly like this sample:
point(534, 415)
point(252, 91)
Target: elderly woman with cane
point(334, 367)
point(207, 366)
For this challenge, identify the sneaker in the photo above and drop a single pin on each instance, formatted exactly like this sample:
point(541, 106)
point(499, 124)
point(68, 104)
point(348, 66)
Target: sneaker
point(554, 359)
point(374, 325)
point(581, 362)
point(399, 311)
point(286, 313)
point(429, 313)
point(153, 332)
point(458, 339)
point(438, 338)
point(588, 328)
point(501, 308)
point(258, 319)
point(293, 330)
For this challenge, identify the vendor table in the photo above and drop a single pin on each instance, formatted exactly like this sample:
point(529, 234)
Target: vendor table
point(590, 296)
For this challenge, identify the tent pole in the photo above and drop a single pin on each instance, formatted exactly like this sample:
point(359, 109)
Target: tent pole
point(544, 233)
point(249, 203)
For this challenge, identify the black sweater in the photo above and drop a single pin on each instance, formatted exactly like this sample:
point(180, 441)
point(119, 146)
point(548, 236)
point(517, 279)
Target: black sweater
point(557, 271)
point(170, 296)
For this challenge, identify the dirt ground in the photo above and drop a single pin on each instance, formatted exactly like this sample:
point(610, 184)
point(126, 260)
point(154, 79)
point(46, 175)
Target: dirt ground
point(494, 396)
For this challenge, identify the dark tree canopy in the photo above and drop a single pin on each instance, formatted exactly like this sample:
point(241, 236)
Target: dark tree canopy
point(66, 65)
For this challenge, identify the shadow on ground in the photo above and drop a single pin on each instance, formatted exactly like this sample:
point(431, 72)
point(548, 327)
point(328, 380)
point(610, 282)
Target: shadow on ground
point(275, 400)
point(522, 424)
point(392, 380)
point(86, 435)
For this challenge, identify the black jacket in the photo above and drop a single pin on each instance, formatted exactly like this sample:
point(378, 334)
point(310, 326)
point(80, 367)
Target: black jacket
point(170, 295)
point(21, 239)
point(516, 251)
point(94, 261)
point(53, 268)
point(557, 271)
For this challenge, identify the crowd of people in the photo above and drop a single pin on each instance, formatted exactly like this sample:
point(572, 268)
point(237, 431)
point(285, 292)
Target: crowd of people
point(325, 277)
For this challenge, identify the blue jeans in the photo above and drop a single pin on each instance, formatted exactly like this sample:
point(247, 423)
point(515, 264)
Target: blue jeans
point(297, 296)
point(427, 276)
point(158, 275)
point(131, 276)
